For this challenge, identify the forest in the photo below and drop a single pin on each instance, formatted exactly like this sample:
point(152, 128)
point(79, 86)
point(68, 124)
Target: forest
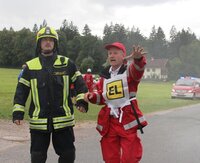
point(87, 50)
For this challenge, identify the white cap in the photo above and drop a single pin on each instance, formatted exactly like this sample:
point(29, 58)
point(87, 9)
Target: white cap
point(89, 70)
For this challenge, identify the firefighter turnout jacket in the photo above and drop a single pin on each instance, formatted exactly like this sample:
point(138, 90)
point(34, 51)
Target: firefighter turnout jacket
point(49, 80)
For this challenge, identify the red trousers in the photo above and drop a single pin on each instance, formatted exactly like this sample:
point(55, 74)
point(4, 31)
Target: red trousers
point(119, 145)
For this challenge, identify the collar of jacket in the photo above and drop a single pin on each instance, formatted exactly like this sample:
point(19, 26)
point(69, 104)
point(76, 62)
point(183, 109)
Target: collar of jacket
point(105, 73)
point(48, 61)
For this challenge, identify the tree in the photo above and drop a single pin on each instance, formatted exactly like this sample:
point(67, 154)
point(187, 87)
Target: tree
point(87, 63)
point(35, 29)
point(179, 39)
point(175, 68)
point(134, 37)
point(69, 30)
point(73, 48)
point(91, 46)
point(190, 57)
point(115, 33)
point(44, 24)
point(24, 47)
point(6, 47)
point(173, 33)
point(107, 32)
point(174, 45)
point(67, 33)
point(157, 43)
point(86, 30)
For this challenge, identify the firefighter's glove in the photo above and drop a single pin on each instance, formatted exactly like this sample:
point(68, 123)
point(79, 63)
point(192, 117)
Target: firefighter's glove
point(17, 115)
point(82, 106)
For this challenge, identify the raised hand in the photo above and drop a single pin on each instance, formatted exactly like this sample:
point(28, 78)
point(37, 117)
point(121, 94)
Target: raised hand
point(137, 53)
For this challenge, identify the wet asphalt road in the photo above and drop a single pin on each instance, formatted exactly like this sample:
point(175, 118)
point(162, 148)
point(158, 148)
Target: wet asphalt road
point(171, 137)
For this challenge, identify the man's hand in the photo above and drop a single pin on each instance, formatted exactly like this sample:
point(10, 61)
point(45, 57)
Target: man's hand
point(88, 96)
point(137, 53)
point(82, 105)
point(18, 122)
point(81, 109)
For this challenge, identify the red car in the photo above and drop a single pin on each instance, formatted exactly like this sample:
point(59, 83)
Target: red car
point(186, 87)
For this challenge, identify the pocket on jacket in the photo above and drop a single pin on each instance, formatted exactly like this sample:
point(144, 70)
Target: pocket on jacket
point(103, 121)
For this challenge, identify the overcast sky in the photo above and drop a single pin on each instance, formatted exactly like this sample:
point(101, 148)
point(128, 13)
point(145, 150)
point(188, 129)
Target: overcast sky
point(96, 13)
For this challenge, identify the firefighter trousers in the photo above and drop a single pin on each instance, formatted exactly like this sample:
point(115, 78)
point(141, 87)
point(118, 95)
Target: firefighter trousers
point(63, 143)
point(119, 145)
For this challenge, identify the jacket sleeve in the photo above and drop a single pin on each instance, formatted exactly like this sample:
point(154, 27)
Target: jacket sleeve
point(79, 86)
point(21, 95)
point(97, 97)
point(136, 68)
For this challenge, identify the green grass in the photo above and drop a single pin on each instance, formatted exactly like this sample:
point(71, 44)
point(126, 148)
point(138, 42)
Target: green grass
point(156, 96)
point(151, 97)
point(8, 84)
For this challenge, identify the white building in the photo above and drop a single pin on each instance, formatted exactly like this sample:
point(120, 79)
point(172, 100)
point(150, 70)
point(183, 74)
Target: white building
point(156, 69)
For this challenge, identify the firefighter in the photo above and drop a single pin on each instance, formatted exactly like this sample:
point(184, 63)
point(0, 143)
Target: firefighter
point(48, 77)
point(89, 80)
point(120, 118)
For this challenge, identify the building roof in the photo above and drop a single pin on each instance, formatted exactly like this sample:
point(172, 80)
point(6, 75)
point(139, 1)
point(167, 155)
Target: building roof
point(156, 63)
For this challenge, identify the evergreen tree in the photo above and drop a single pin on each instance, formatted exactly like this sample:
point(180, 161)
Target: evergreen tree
point(35, 28)
point(86, 31)
point(6, 47)
point(157, 43)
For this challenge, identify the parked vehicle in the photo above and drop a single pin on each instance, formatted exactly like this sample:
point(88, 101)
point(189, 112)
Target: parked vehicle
point(186, 87)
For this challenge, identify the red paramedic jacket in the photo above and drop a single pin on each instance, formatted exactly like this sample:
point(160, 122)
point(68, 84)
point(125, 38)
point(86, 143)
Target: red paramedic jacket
point(135, 72)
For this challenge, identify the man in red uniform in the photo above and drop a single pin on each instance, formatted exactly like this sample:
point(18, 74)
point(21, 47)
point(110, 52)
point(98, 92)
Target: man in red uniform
point(120, 118)
point(89, 80)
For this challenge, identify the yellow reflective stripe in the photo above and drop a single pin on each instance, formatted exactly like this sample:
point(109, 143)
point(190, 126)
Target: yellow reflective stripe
point(38, 121)
point(34, 64)
point(38, 127)
point(58, 61)
point(77, 73)
point(18, 107)
point(80, 96)
point(24, 81)
point(38, 124)
point(65, 95)
point(63, 119)
point(62, 125)
point(35, 97)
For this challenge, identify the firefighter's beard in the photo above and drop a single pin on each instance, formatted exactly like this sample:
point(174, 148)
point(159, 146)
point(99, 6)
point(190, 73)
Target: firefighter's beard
point(47, 52)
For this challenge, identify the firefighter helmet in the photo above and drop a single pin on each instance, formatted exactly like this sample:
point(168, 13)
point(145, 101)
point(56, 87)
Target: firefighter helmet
point(47, 32)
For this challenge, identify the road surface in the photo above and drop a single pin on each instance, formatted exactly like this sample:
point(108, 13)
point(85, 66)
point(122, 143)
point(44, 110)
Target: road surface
point(172, 136)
